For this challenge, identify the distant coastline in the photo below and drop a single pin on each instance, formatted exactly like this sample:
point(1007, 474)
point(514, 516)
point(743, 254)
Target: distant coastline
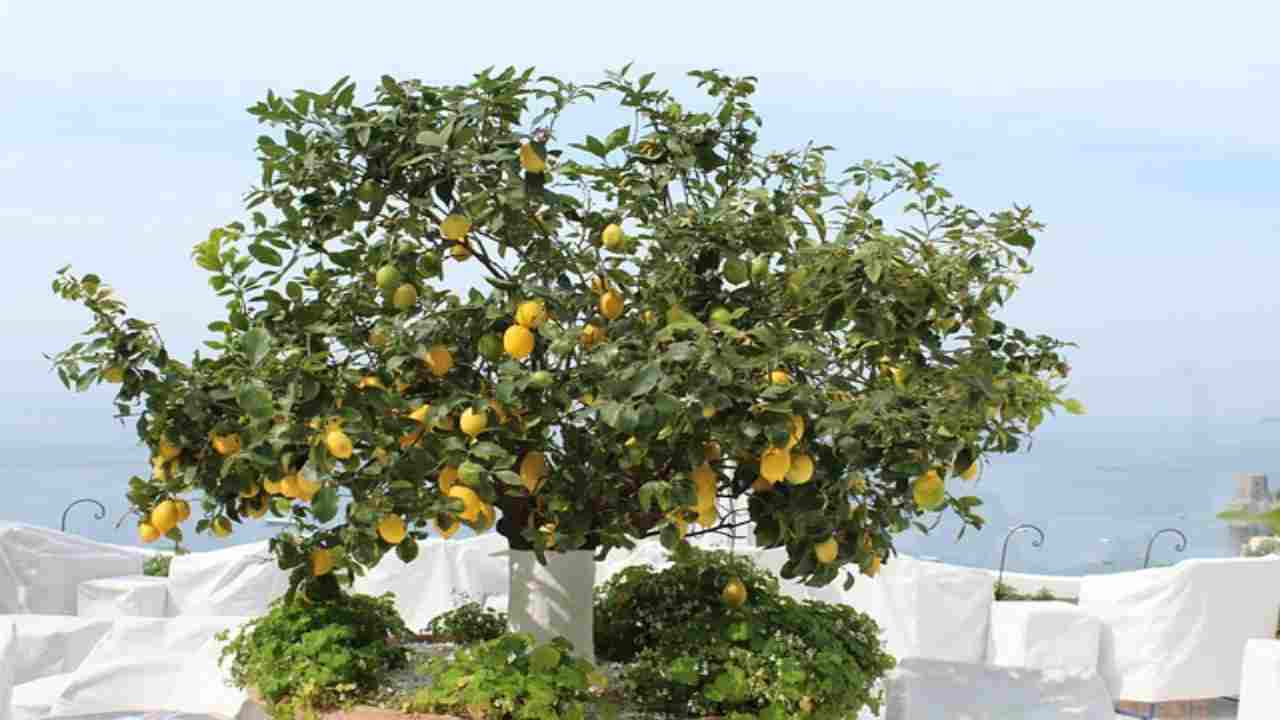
point(1269, 420)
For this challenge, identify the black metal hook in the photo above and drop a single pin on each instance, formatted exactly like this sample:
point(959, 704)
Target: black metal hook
point(1180, 547)
point(102, 511)
point(1004, 552)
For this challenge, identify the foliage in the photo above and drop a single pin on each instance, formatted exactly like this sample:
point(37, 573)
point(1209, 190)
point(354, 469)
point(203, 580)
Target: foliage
point(1269, 519)
point(751, 290)
point(157, 565)
point(311, 655)
point(1261, 546)
point(509, 677)
point(468, 623)
point(1006, 593)
point(773, 658)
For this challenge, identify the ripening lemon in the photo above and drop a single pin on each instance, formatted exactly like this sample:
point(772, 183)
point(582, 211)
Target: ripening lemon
point(899, 376)
point(592, 335)
point(405, 297)
point(708, 412)
point(801, 470)
point(473, 423)
point(531, 160)
point(446, 532)
point(164, 517)
point(169, 451)
point(307, 488)
point(220, 527)
point(797, 431)
point(226, 444)
point(549, 534)
point(518, 342)
point(113, 374)
point(338, 444)
point(471, 503)
point(542, 379)
point(531, 314)
point(321, 561)
point(488, 516)
point(447, 478)
point(970, 472)
point(370, 381)
point(599, 284)
point(460, 251)
point(704, 484)
point(611, 305)
point(388, 278)
point(734, 594)
point(780, 377)
point(774, 464)
point(289, 486)
point(439, 359)
point(613, 238)
point(184, 510)
point(148, 533)
point(533, 467)
point(873, 566)
point(827, 551)
point(707, 516)
point(273, 487)
point(455, 227)
point(928, 490)
point(391, 529)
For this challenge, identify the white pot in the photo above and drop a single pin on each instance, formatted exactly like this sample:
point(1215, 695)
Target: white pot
point(554, 600)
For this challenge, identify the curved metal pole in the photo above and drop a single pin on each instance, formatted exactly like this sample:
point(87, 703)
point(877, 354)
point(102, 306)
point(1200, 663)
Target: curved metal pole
point(102, 511)
point(1181, 546)
point(1004, 552)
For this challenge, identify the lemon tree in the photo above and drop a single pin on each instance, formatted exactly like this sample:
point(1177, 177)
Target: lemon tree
point(440, 305)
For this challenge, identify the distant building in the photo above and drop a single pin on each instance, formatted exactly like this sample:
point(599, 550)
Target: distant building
point(1252, 496)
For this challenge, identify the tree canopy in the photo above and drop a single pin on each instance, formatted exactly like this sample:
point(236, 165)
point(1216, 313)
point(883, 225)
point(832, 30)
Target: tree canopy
point(673, 321)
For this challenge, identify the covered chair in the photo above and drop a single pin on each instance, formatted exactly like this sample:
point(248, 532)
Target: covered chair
point(41, 568)
point(1179, 633)
point(241, 580)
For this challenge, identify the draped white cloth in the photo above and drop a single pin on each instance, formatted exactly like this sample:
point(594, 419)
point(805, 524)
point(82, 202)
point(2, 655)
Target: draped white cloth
point(128, 596)
point(920, 689)
point(1043, 635)
point(41, 568)
point(241, 580)
point(1260, 681)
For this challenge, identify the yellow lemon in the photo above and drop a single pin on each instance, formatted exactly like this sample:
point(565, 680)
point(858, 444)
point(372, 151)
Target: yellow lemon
point(797, 431)
point(164, 517)
point(533, 467)
point(455, 227)
point(518, 342)
point(704, 484)
point(599, 284)
point(970, 472)
point(613, 238)
point(420, 413)
point(873, 566)
point(473, 423)
point(774, 464)
point(113, 374)
point(460, 251)
point(220, 527)
point(273, 487)
point(827, 551)
point(611, 305)
point(226, 444)
point(391, 529)
point(439, 359)
point(169, 451)
point(370, 381)
point(707, 516)
point(184, 510)
point(801, 470)
point(928, 490)
point(734, 594)
point(487, 517)
point(148, 533)
point(530, 160)
point(307, 488)
point(289, 486)
point(780, 377)
point(321, 561)
point(405, 297)
point(447, 478)
point(592, 335)
point(471, 503)
point(531, 314)
point(338, 444)
point(708, 412)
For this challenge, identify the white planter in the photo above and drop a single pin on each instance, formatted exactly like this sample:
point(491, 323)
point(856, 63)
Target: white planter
point(554, 600)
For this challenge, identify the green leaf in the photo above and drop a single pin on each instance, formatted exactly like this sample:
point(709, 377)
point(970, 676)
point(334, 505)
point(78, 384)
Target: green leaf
point(1073, 406)
point(646, 380)
point(255, 400)
point(407, 550)
point(256, 344)
point(325, 504)
point(1022, 239)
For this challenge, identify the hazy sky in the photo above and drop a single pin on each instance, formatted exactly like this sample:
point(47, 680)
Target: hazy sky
point(1145, 134)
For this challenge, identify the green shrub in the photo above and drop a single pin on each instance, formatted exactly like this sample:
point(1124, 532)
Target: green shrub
point(308, 656)
point(157, 565)
point(1006, 593)
point(775, 658)
point(509, 677)
point(468, 623)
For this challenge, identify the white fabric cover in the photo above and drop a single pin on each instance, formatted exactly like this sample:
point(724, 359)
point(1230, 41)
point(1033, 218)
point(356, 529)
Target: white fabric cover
point(1179, 633)
point(919, 689)
point(1043, 635)
point(1260, 681)
point(129, 596)
point(445, 574)
point(927, 610)
point(241, 580)
point(53, 644)
point(33, 700)
point(8, 657)
point(150, 664)
point(554, 599)
point(41, 568)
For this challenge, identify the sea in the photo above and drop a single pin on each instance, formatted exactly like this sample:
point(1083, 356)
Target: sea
point(1098, 488)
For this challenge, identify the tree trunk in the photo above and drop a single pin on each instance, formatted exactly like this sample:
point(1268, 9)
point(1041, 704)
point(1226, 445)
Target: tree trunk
point(554, 600)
